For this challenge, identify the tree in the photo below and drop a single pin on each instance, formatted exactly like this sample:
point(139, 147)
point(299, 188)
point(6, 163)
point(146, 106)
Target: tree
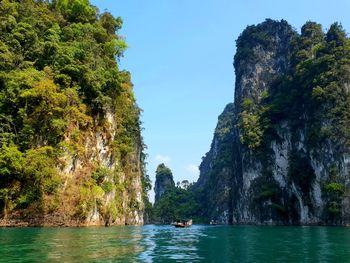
point(176, 203)
point(336, 35)
point(11, 169)
point(76, 10)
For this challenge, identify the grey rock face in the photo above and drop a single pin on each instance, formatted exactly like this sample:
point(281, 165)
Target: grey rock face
point(216, 170)
point(164, 181)
point(242, 186)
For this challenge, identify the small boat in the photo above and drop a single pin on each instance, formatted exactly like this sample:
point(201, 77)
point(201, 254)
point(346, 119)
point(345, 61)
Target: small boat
point(213, 223)
point(182, 223)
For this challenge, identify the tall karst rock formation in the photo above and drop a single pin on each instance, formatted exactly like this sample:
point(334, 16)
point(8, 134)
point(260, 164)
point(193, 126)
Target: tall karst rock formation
point(164, 181)
point(71, 151)
point(280, 152)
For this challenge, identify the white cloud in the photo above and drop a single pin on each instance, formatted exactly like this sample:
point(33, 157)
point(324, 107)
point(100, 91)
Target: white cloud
point(162, 158)
point(192, 168)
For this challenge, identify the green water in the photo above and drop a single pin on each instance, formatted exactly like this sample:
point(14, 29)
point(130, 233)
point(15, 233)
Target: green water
point(168, 244)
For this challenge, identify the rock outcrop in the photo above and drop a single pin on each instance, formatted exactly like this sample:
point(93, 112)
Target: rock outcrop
point(164, 181)
point(266, 165)
point(116, 200)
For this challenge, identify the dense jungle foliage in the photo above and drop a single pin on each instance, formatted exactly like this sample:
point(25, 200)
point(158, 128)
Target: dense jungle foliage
point(59, 78)
point(172, 201)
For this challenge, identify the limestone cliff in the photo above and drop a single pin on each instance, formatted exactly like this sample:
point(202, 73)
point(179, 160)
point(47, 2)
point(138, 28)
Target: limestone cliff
point(71, 151)
point(274, 158)
point(164, 181)
point(120, 201)
point(97, 185)
point(214, 185)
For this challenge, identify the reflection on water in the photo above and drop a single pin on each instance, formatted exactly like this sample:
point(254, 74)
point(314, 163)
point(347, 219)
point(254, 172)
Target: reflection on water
point(168, 244)
point(69, 244)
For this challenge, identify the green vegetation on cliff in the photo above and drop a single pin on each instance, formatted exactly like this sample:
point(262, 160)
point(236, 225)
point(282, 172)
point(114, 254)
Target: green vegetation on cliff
point(164, 181)
point(59, 79)
point(315, 89)
point(284, 156)
point(313, 96)
point(176, 203)
point(172, 202)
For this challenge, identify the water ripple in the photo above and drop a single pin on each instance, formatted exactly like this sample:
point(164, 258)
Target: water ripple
point(168, 244)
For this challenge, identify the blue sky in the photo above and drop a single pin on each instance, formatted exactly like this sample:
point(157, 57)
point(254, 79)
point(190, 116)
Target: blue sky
point(180, 56)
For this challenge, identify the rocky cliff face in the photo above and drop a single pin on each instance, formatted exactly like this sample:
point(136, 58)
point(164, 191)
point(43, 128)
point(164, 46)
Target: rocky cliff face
point(113, 197)
point(214, 185)
point(264, 165)
point(71, 151)
point(120, 201)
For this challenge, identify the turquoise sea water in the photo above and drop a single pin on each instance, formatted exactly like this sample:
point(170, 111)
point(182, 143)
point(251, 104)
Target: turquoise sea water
point(167, 244)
